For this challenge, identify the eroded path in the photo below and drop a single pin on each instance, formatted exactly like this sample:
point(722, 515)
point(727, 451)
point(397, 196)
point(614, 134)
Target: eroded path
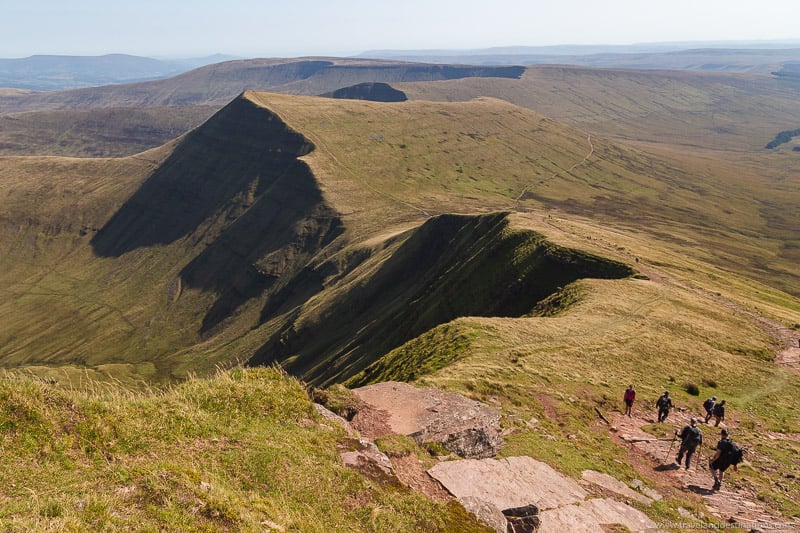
point(731, 505)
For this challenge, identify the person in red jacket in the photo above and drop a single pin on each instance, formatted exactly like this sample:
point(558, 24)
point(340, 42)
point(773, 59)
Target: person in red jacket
point(630, 396)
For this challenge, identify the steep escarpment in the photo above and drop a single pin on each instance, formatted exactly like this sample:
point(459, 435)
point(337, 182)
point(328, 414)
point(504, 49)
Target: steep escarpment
point(375, 92)
point(123, 264)
point(451, 266)
point(219, 83)
point(231, 248)
point(235, 192)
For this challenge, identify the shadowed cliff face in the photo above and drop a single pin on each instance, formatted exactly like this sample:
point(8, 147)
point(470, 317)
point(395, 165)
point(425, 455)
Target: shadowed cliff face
point(224, 165)
point(450, 267)
point(375, 92)
point(234, 193)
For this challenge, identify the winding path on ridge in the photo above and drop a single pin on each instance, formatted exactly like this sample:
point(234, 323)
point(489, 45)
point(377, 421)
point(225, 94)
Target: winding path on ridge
point(556, 174)
point(734, 506)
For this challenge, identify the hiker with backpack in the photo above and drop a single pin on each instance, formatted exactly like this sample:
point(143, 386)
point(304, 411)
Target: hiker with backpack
point(708, 405)
point(718, 412)
point(664, 404)
point(630, 396)
point(691, 437)
point(728, 453)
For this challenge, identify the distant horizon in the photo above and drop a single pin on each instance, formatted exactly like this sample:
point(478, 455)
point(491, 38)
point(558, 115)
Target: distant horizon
point(253, 28)
point(773, 44)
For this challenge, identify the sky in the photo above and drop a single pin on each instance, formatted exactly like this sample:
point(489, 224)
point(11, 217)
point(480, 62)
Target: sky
point(268, 28)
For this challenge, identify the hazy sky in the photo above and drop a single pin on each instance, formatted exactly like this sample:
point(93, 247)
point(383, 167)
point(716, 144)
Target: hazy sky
point(328, 27)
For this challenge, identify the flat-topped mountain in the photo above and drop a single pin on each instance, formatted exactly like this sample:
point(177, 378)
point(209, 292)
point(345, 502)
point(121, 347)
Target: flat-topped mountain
point(221, 82)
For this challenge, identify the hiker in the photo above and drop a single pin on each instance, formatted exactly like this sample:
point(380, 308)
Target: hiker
point(691, 438)
point(718, 412)
point(664, 404)
point(728, 453)
point(708, 405)
point(630, 396)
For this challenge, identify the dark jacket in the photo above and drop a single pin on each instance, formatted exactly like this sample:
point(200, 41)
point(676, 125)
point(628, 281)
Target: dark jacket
point(691, 435)
point(664, 402)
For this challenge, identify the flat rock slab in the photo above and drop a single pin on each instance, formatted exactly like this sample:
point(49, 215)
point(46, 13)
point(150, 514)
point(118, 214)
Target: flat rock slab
point(608, 512)
point(568, 518)
point(508, 483)
point(592, 515)
point(466, 427)
point(614, 485)
point(369, 454)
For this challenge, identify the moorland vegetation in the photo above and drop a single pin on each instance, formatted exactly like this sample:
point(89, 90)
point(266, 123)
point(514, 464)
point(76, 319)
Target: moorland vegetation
point(537, 243)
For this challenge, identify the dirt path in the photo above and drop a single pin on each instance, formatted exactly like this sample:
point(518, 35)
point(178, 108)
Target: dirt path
point(556, 174)
point(734, 506)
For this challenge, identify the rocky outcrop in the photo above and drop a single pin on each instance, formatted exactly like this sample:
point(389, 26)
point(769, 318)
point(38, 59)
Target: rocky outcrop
point(465, 427)
point(509, 483)
point(513, 484)
point(522, 519)
point(614, 485)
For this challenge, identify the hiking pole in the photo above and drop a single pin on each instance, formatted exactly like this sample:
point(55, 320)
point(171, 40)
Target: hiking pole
point(670, 446)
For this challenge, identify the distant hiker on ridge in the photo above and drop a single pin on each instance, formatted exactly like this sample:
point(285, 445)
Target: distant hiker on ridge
point(728, 453)
point(630, 396)
point(664, 404)
point(691, 438)
point(708, 405)
point(719, 413)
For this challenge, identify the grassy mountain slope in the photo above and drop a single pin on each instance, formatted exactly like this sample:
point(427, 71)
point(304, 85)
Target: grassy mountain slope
point(688, 109)
point(241, 451)
point(226, 245)
point(373, 238)
point(192, 254)
point(97, 132)
point(711, 126)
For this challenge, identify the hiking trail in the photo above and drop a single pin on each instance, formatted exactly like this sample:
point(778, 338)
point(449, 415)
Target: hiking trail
point(729, 504)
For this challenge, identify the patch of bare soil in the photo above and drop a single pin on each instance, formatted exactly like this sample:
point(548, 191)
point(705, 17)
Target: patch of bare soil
point(371, 423)
point(412, 472)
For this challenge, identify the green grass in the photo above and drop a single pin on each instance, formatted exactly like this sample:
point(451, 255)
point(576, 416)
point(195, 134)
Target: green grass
point(712, 241)
point(229, 453)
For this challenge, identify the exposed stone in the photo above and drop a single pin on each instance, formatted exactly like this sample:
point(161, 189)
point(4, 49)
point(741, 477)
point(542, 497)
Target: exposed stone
point(652, 494)
point(327, 414)
point(568, 518)
point(614, 485)
point(466, 427)
point(508, 483)
point(369, 460)
point(486, 512)
point(607, 511)
point(592, 515)
point(522, 519)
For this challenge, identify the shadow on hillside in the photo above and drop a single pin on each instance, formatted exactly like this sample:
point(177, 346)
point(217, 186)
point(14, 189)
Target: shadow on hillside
point(222, 166)
point(450, 267)
point(703, 491)
point(247, 210)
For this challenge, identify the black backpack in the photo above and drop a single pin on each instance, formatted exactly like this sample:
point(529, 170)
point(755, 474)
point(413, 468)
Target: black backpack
point(735, 453)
